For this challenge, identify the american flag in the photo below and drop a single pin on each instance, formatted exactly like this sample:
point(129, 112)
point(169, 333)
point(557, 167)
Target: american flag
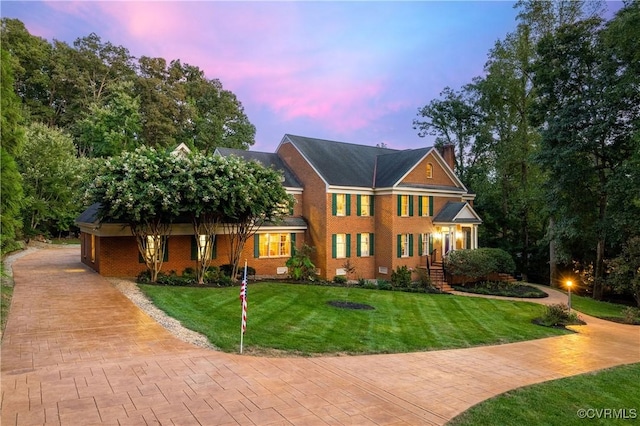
point(243, 298)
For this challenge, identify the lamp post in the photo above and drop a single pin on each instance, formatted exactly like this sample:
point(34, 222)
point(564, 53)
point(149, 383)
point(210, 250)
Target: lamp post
point(569, 283)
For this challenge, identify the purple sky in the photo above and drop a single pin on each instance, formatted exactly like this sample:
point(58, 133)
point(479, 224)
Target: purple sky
point(348, 71)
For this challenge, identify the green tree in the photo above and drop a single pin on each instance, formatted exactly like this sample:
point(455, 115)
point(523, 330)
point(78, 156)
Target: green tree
point(204, 194)
point(625, 269)
point(110, 126)
point(509, 185)
point(12, 137)
point(256, 196)
point(31, 63)
point(589, 109)
point(143, 189)
point(452, 120)
point(51, 179)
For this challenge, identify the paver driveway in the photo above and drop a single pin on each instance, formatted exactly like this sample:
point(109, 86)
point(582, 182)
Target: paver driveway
point(77, 352)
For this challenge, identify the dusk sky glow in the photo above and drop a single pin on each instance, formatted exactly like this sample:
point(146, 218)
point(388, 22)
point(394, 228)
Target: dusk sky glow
point(348, 71)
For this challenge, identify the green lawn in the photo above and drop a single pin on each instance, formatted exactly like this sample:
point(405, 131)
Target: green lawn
point(564, 401)
point(297, 318)
point(596, 308)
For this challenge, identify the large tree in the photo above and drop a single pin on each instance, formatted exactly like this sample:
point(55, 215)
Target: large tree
point(453, 120)
point(110, 126)
point(12, 136)
point(52, 179)
point(256, 196)
point(143, 189)
point(589, 109)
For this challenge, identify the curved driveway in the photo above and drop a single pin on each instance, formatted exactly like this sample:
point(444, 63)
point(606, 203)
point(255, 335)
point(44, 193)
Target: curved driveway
point(78, 352)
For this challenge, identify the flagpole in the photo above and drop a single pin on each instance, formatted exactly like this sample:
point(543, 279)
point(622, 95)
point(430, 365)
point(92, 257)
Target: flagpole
point(243, 298)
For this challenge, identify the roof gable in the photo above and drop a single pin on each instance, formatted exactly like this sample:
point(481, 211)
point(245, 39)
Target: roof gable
point(457, 212)
point(391, 168)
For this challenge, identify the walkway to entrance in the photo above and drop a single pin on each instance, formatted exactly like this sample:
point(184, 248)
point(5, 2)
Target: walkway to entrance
point(77, 352)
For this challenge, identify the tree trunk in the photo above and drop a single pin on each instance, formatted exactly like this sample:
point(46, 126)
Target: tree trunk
point(553, 261)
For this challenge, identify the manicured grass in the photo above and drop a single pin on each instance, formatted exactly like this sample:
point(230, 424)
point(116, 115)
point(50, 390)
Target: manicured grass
point(297, 318)
point(595, 308)
point(564, 401)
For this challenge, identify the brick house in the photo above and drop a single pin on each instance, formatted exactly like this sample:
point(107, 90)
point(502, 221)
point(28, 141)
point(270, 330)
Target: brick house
point(371, 208)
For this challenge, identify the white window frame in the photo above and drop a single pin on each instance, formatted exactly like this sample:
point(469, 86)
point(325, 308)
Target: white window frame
point(365, 244)
point(275, 245)
point(341, 246)
point(404, 241)
point(365, 207)
point(341, 204)
point(404, 205)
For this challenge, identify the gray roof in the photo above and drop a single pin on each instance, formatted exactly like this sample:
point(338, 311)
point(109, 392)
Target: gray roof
point(340, 163)
point(392, 167)
point(90, 215)
point(450, 211)
point(266, 159)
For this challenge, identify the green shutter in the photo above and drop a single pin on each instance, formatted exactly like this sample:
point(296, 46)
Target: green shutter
point(214, 247)
point(431, 205)
point(420, 245)
point(333, 246)
point(399, 205)
point(371, 198)
point(410, 245)
point(358, 204)
point(420, 205)
point(334, 204)
point(347, 199)
point(399, 249)
point(371, 243)
point(293, 244)
point(410, 205)
point(194, 248)
point(358, 242)
point(256, 246)
point(348, 245)
point(430, 244)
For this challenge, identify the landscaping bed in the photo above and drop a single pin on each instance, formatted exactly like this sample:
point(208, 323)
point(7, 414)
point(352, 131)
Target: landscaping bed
point(502, 288)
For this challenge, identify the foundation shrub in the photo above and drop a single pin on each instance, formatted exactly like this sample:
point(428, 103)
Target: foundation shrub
point(479, 263)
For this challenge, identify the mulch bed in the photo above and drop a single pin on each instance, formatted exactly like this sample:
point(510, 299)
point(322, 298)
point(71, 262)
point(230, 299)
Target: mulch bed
point(349, 305)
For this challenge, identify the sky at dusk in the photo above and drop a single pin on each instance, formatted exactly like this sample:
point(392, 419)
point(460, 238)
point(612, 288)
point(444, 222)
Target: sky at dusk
point(348, 71)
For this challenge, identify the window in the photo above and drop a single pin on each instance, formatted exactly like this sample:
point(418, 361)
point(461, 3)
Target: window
point(425, 206)
point(274, 245)
point(425, 245)
point(341, 204)
point(204, 252)
point(340, 246)
point(365, 205)
point(364, 245)
point(150, 247)
point(93, 248)
point(429, 171)
point(405, 205)
point(405, 245)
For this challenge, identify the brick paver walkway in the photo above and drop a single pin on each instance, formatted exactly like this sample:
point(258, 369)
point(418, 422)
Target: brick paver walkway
point(77, 352)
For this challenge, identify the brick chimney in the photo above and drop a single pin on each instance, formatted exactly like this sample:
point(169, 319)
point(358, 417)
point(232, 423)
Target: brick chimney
point(448, 154)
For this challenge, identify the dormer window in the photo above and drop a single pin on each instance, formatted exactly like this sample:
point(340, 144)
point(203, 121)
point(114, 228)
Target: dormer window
point(429, 171)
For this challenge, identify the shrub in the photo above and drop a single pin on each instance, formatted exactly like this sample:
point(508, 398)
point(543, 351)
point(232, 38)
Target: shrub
point(631, 315)
point(226, 270)
point(369, 285)
point(340, 279)
point(559, 315)
point(189, 272)
point(479, 263)
point(300, 265)
point(144, 277)
point(224, 281)
point(401, 277)
point(384, 285)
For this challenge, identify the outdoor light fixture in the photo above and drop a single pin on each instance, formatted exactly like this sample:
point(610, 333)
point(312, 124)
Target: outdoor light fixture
point(569, 284)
